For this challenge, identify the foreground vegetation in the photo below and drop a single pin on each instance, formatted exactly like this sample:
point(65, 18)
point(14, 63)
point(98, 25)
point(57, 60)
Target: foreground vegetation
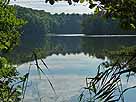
point(108, 84)
point(10, 87)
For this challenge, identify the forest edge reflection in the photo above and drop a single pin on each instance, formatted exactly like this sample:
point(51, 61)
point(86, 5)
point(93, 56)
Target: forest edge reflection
point(94, 46)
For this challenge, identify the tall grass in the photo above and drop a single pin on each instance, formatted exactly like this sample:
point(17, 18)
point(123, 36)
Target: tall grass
point(107, 84)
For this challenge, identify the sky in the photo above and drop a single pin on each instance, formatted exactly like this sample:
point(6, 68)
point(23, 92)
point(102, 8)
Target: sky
point(58, 7)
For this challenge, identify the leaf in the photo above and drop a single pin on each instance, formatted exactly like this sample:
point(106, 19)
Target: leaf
point(92, 6)
point(96, 10)
point(133, 26)
point(51, 2)
point(80, 97)
point(39, 69)
point(94, 88)
point(81, 1)
point(44, 64)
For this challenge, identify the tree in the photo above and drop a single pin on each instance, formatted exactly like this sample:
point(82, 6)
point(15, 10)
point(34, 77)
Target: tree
point(124, 10)
point(9, 37)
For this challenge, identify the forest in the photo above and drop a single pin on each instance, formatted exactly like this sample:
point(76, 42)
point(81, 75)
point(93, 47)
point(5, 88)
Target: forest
point(32, 26)
point(40, 24)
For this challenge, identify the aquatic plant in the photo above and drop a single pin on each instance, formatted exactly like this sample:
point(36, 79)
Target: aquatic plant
point(107, 85)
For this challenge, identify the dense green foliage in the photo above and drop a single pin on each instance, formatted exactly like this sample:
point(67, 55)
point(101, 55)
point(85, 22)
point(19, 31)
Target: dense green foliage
point(9, 37)
point(9, 26)
point(124, 10)
point(99, 25)
point(41, 23)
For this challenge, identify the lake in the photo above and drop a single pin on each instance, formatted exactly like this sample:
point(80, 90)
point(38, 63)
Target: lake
point(71, 60)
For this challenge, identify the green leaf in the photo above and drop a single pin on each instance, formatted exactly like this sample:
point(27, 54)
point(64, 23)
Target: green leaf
point(97, 10)
point(133, 26)
point(81, 1)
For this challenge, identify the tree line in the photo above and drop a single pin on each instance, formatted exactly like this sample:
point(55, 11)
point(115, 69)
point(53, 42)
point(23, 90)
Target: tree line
point(40, 23)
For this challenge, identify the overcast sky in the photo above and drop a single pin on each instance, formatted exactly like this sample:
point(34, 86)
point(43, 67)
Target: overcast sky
point(58, 7)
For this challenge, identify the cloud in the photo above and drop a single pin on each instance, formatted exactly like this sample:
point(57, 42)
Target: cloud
point(58, 7)
point(68, 77)
point(66, 87)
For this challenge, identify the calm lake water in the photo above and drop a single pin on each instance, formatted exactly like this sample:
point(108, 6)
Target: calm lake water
point(72, 59)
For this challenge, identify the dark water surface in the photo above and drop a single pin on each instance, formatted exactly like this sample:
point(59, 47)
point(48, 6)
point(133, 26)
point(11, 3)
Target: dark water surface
point(70, 62)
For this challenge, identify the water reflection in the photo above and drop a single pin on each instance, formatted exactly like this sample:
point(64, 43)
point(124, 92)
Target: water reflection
point(67, 73)
point(70, 60)
point(94, 46)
